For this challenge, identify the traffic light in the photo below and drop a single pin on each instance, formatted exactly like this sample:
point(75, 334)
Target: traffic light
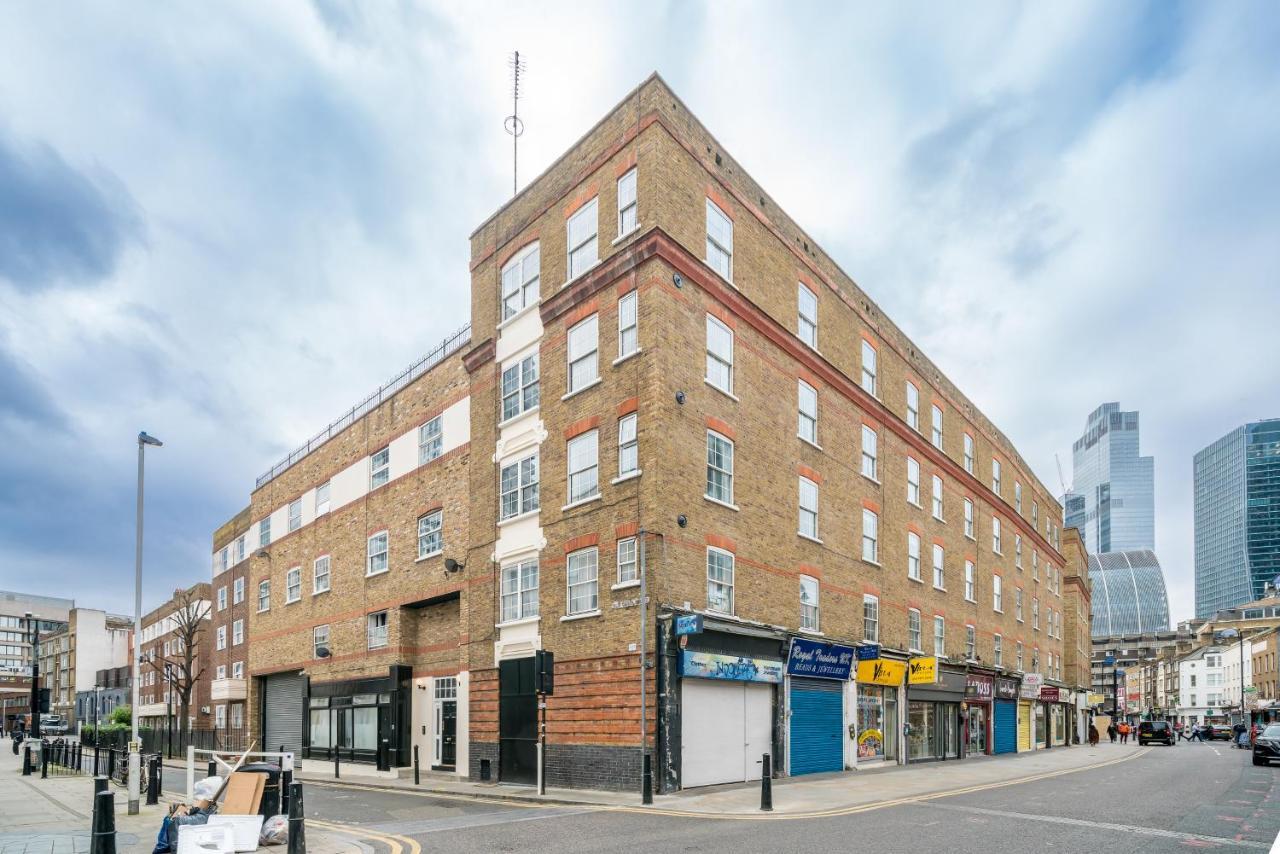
point(44, 700)
point(544, 676)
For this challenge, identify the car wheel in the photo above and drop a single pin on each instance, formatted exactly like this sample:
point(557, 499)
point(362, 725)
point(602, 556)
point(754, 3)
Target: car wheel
point(1257, 761)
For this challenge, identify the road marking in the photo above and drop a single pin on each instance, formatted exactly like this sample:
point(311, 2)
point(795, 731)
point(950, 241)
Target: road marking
point(396, 844)
point(1192, 838)
point(416, 827)
point(1216, 753)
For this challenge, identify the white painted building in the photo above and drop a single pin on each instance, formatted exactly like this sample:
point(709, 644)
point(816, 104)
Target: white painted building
point(1202, 687)
point(1233, 671)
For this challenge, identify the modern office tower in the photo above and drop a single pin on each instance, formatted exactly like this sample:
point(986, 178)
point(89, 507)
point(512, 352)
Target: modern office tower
point(1112, 500)
point(1237, 505)
point(1128, 594)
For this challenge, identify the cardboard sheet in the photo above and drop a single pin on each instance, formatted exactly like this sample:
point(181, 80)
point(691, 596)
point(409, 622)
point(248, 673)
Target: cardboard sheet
point(244, 794)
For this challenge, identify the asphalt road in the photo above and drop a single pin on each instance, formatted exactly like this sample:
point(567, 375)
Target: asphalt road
point(1168, 799)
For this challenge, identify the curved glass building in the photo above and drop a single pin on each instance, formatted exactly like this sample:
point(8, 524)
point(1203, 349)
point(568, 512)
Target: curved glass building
point(1128, 593)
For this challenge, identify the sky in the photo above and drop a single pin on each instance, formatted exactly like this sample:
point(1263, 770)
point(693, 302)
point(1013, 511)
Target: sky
point(215, 220)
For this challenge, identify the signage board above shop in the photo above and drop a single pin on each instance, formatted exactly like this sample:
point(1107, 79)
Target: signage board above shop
point(978, 687)
point(923, 671)
point(818, 659)
point(1031, 685)
point(688, 624)
point(882, 671)
point(710, 665)
point(1006, 688)
point(1049, 693)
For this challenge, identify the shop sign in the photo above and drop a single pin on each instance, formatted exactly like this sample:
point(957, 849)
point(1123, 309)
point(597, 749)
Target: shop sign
point(977, 686)
point(710, 665)
point(688, 624)
point(923, 671)
point(868, 651)
point(882, 671)
point(823, 660)
point(1006, 688)
point(1096, 699)
point(1031, 685)
point(1049, 693)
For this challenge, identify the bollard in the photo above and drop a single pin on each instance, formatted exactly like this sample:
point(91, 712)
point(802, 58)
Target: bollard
point(416, 781)
point(111, 763)
point(646, 793)
point(286, 789)
point(44, 761)
point(297, 825)
point(103, 840)
point(95, 759)
point(766, 785)
point(213, 768)
point(336, 773)
point(26, 760)
point(100, 784)
point(153, 781)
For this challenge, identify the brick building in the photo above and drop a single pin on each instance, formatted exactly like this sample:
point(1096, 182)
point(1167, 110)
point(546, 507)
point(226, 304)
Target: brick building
point(71, 656)
point(665, 382)
point(176, 642)
point(229, 651)
point(1077, 640)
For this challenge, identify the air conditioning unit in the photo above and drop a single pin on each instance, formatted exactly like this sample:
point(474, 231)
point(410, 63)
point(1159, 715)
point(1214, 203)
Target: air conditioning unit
point(204, 710)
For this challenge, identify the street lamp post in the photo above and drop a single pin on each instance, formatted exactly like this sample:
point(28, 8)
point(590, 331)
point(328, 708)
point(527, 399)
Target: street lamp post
point(135, 757)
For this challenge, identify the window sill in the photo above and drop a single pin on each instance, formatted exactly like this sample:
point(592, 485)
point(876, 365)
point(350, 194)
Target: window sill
point(519, 314)
point(631, 475)
point(811, 632)
point(580, 502)
point(585, 615)
point(998, 610)
point(916, 580)
point(319, 592)
point(805, 536)
point(809, 442)
point(379, 572)
point(523, 621)
point(971, 537)
point(263, 610)
point(874, 563)
point(516, 518)
point(915, 504)
point(625, 235)
point(618, 361)
point(595, 382)
point(732, 507)
point(942, 589)
point(594, 264)
point(293, 601)
point(727, 394)
point(430, 555)
point(870, 478)
point(519, 415)
point(997, 553)
point(625, 585)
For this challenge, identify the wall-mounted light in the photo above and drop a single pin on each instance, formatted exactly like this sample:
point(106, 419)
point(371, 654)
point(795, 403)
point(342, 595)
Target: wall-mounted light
point(676, 280)
point(682, 520)
point(262, 553)
point(451, 565)
point(323, 652)
point(680, 398)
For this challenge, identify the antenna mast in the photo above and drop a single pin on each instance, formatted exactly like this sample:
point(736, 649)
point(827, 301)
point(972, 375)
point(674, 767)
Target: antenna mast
point(513, 125)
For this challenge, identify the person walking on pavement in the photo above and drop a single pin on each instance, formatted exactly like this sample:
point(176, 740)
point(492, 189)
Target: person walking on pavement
point(1111, 731)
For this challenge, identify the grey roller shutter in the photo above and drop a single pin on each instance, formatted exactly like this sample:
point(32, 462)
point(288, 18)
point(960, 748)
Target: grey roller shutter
point(283, 708)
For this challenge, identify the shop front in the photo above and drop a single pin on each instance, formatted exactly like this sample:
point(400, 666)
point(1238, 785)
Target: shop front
point(816, 675)
point(1030, 712)
point(359, 718)
point(874, 729)
point(1055, 713)
point(933, 711)
point(978, 691)
point(1004, 715)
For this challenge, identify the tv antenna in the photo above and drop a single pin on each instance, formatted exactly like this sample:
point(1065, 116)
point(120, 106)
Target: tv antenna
point(513, 125)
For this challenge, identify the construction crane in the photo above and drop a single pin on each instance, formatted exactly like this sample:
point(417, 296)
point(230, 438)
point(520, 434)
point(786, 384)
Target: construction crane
point(1062, 480)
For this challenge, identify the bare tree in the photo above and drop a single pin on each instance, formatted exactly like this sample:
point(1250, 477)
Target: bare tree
point(183, 660)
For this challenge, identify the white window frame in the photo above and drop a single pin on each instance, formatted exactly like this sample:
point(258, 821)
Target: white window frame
point(968, 519)
point(293, 585)
point(913, 406)
point(628, 203)
point(379, 468)
point(936, 436)
point(720, 582)
point(378, 636)
point(237, 591)
point(995, 475)
point(869, 366)
point(319, 638)
point(521, 387)
point(430, 532)
point(939, 636)
point(295, 514)
point(809, 604)
point(519, 281)
point(870, 443)
point(582, 463)
point(519, 579)
point(808, 505)
point(431, 440)
point(936, 497)
point(807, 409)
point(264, 532)
point(264, 594)
point(997, 646)
point(586, 563)
point(870, 618)
point(913, 556)
point(719, 241)
point(970, 642)
point(713, 450)
point(1017, 605)
point(997, 593)
point(806, 321)
point(1017, 550)
point(377, 546)
point(323, 492)
point(628, 561)
point(914, 641)
point(939, 567)
point(968, 453)
point(221, 672)
point(628, 324)
point(628, 445)
point(995, 535)
point(320, 574)
point(222, 598)
point(722, 361)
point(523, 487)
point(870, 535)
point(970, 581)
point(1017, 496)
point(582, 349)
point(237, 632)
point(583, 247)
point(913, 481)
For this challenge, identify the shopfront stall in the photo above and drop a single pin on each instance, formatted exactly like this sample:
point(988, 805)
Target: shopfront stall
point(1004, 716)
point(876, 725)
point(978, 691)
point(933, 710)
point(816, 675)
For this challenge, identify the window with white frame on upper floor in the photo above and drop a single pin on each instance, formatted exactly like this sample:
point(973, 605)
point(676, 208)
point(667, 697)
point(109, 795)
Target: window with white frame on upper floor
point(237, 591)
point(807, 316)
point(264, 532)
point(939, 636)
point(719, 580)
point(1035, 514)
point(377, 554)
point(1019, 665)
point(970, 581)
point(220, 716)
point(913, 630)
point(968, 519)
point(222, 598)
point(520, 590)
point(379, 468)
point(239, 548)
point(377, 629)
point(870, 535)
point(264, 595)
point(520, 386)
point(1017, 604)
point(293, 585)
point(1035, 660)
point(582, 573)
point(719, 355)
point(870, 618)
point(320, 575)
point(584, 363)
point(913, 481)
point(1035, 565)
point(237, 633)
point(998, 650)
point(520, 281)
point(869, 452)
point(430, 534)
point(1017, 550)
point(719, 241)
point(431, 440)
point(913, 406)
point(628, 446)
point(584, 466)
point(322, 498)
point(968, 453)
point(807, 396)
point(808, 508)
point(869, 368)
point(937, 497)
point(719, 468)
point(628, 324)
point(519, 487)
point(936, 415)
point(627, 221)
point(995, 534)
point(1035, 613)
point(295, 514)
point(1017, 496)
point(970, 642)
point(913, 555)
point(628, 570)
point(939, 579)
point(584, 244)
point(220, 672)
point(809, 603)
point(319, 640)
point(997, 594)
point(995, 476)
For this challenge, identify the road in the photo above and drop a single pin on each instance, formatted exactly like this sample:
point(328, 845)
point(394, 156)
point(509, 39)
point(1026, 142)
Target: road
point(1166, 799)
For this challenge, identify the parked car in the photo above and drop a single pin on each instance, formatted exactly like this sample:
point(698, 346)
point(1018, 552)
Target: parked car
point(53, 725)
point(1220, 732)
point(1156, 731)
point(1266, 746)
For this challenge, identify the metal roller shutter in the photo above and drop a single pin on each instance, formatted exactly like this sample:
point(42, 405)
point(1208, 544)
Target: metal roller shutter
point(1024, 726)
point(817, 722)
point(725, 729)
point(1005, 727)
point(283, 707)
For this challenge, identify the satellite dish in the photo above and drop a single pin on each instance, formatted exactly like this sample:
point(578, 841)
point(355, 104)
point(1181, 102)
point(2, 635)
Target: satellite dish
point(323, 652)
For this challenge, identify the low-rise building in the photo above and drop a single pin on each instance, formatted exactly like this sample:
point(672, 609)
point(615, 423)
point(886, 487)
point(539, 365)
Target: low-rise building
point(111, 688)
point(234, 598)
point(1201, 688)
point(173, 676)
point(70, 658)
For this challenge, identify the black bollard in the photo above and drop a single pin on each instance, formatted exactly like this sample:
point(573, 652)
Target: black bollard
point(213, 768)
point(336, 773)
point(766, 786)
point(286, 783)
point(26, 760)
point(103, 840)
point(153, 780)
point(297, 825)
point(111, 763)
point(95, 759)
point(416, 780)
point(100, 784)
point(646, 792)
point(44, 761)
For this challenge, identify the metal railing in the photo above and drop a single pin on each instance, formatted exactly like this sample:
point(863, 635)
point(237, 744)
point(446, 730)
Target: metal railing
point(446, 348)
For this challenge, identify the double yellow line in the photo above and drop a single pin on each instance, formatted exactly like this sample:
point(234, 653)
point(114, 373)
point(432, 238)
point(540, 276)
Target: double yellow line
point(396, 844)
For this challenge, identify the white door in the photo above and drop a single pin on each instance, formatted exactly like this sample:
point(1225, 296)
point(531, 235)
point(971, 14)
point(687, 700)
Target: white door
point(422, 728)
point(759, 727)
point(725, 729)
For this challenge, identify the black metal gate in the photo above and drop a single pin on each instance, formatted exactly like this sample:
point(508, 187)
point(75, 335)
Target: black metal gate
point(517, 722)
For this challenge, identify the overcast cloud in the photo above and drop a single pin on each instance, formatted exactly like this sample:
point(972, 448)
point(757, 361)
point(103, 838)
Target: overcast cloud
point(215, 220)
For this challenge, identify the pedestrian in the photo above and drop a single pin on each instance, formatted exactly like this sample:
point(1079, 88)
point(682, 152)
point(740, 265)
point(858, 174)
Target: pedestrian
point(1111, 731)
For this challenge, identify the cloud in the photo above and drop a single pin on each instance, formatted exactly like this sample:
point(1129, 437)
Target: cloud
point(59, 225)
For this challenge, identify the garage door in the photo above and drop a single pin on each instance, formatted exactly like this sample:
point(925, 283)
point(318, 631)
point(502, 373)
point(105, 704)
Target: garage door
point(282, 704)
point(725, 728)
point(1024, 726)
point(815, 726)
point(1005, 725)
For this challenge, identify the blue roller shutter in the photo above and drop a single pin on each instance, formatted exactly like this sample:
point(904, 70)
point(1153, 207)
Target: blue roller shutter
point(817, 723)
point(1005, 727)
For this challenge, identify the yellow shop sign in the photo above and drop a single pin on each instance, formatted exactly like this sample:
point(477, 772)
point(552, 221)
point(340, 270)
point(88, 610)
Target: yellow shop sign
point(881, 671)
point(924, 671)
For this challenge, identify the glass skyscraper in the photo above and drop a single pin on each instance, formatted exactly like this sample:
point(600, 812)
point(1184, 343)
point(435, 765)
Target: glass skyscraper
point(1129, 596)
point(1237, 506)
point(1112, 501)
